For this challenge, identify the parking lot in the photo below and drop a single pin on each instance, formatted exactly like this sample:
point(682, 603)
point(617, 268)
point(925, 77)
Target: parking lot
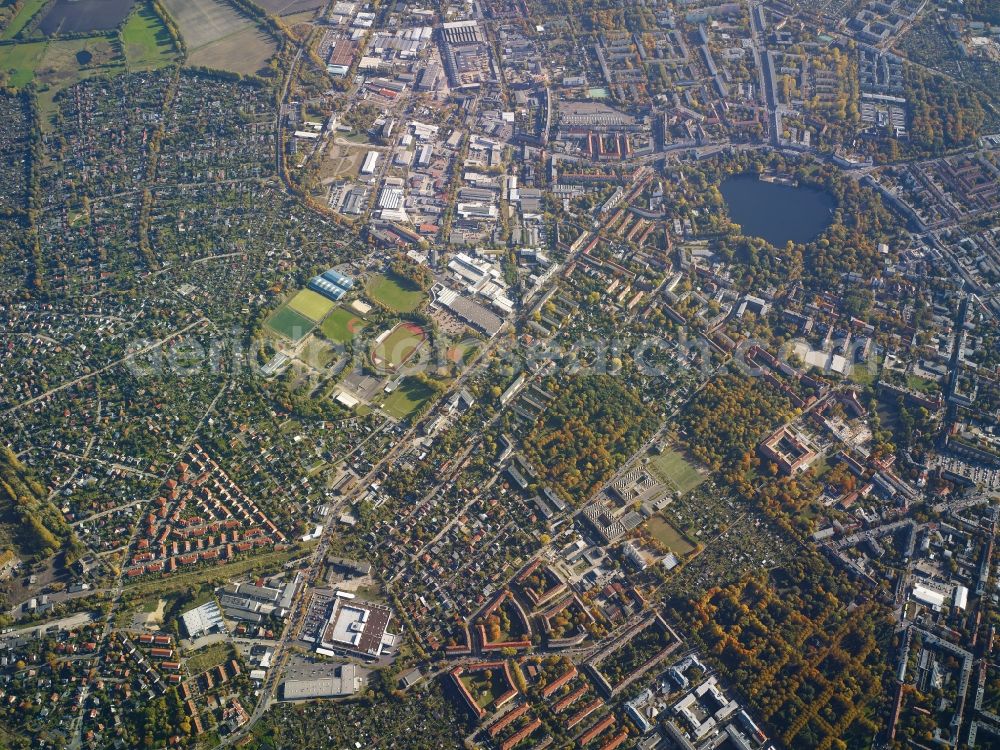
point(316, 617)
point(984, 476)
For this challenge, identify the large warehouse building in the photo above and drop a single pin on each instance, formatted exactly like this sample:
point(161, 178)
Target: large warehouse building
point(357, 627)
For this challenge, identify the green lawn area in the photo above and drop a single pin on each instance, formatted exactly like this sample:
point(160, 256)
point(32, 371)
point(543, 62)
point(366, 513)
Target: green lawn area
point(369, 592)
point(288, 323)
point(672, 468)
point(267, 561)
point(409, 396)
point(19, 61)
point(396, 348)
point(54, 65)
point(311, 304)
point(922, 385)
point(485, 686)
point(18, 22)
point(820, 467)
point(864, 373)
point(356, 137)
point(147, 43)
point(210, 656)
point(318, 353)
point(395, 292)
point(665, 533)
point(342, 326)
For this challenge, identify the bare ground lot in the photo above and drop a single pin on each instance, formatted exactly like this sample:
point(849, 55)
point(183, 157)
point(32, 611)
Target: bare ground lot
point(217, 36)
point(341, 161)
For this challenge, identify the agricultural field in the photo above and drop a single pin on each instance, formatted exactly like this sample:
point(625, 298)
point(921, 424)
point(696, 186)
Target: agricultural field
point(673, 469)
point(395, 292)
point(408, 397)
point(22, 18)
point(311, 304)
point(18, 63)
point(342, 326)
point(290, 7)
point(146, 43)
point(396, 347)
point(217, 36)
point(288, 323)
point(81, 16)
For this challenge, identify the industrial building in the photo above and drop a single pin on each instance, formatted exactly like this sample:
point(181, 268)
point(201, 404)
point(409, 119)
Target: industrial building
point(368, 166)
point(356, 627)
point(201, 620)
point(346, 681)
point(471, 312)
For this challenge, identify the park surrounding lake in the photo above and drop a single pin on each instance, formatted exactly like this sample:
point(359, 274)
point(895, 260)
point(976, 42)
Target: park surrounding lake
point(776, 212)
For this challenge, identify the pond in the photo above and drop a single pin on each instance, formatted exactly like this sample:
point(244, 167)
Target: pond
point(775, 212)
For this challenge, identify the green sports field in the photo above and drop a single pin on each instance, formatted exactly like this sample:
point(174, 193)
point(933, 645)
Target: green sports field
point(409, 396)
point(395, 292)
point(665, 533)
point(341, 326)
point(289, 323)
point(672, 468)
point(311, 304)
point(396, 348)
point(461, 352)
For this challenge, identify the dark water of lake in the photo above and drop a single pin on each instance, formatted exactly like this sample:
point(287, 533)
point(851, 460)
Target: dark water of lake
point(777, 213)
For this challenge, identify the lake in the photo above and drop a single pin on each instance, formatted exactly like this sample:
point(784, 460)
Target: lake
point(777, 213)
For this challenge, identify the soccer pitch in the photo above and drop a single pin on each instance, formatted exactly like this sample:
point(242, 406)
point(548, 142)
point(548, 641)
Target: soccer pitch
point(394, 348)
point(289, 323)
point(673, 468)
point(311, 304)
point(341, 326)
point(395, 293)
